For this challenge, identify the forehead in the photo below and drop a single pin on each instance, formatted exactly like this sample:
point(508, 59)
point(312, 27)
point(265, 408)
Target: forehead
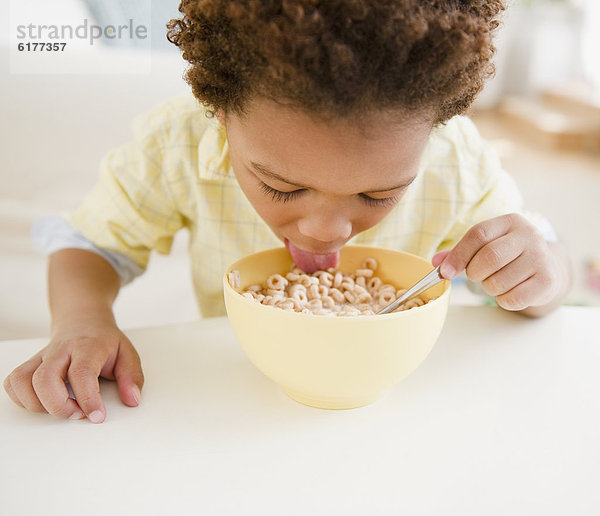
point(358, 154)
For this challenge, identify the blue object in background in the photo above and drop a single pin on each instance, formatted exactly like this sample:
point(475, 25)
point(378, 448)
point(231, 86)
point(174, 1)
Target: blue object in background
point(153, 14)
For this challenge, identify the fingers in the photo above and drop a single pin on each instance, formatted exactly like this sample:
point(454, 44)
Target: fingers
point(23, 383)
point(539, 287)
point(11, 393)
point(439, 257)
point(48, 381)
point(19, 388)
point(39, 385)
point(527, 293)
point(129, 375)
point(510, 258)
point(496, 255)
point(508, 277)
point(477, 237)
point(513, 285)
point(83, 374)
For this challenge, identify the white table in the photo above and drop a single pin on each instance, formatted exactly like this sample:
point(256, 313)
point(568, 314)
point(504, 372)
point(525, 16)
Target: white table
point(503, 418)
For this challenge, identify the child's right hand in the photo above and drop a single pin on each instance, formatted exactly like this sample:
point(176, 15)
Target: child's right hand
point(78, 354)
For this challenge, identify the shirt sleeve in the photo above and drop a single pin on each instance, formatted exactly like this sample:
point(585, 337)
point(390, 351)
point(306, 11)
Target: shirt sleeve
point(131, 210)
point(50, 234)
point(494, 193)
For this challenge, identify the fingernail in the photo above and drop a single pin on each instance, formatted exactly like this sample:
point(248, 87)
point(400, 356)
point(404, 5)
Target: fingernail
point(70, 389)
point(135, 392)
point(77, 415)
point(96, 416)
point(448, 271)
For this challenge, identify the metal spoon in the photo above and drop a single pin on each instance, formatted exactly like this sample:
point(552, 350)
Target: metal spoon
point(433, 278)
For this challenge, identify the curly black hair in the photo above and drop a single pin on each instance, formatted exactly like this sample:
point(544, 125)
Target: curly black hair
point(339, 57)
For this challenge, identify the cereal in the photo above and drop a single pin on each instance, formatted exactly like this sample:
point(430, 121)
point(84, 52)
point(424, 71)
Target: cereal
point(234, 279)
point(329, 292)
point(276, 282)
point(337, 279)
point(370, 263)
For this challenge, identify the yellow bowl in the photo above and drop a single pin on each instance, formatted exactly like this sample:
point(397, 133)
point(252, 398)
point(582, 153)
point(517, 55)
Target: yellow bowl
point(336, 362)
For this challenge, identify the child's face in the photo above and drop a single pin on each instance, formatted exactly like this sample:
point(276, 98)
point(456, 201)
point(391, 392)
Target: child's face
point(316, 183)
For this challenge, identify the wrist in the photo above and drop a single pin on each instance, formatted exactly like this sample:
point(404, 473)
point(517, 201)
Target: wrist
point(81, 318)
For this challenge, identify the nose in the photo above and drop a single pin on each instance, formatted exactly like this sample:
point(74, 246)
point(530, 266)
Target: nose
point(325, 225)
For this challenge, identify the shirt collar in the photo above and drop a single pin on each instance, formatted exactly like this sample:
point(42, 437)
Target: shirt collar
point(213, 152)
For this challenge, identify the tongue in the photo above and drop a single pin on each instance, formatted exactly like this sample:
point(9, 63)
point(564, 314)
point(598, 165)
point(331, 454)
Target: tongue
point(310, 262)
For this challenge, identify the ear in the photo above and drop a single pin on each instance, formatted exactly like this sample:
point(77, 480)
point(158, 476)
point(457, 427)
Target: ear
point(220, 114)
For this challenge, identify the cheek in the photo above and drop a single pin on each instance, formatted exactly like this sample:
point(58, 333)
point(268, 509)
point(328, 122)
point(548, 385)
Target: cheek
point(273, 213)
point(365, 218)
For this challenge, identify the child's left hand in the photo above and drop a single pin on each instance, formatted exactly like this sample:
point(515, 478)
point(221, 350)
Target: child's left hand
point(513, 262)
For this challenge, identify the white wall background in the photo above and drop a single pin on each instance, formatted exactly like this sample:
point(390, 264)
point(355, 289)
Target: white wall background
point(54, 130)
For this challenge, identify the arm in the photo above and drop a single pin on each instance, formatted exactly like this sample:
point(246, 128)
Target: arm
point(129, 213)
point(80, 282)
point(85, 343)
point(514, 264)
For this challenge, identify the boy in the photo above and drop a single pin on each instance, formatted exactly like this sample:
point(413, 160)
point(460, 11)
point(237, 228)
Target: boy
point(330, 121)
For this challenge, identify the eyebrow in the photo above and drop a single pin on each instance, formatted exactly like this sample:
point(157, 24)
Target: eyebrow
point(266, 172)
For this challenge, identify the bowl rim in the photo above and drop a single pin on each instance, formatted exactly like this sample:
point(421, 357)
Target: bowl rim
point(404, 313)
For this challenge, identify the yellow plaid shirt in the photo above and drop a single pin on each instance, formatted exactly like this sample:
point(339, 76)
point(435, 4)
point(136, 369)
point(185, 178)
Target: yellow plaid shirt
point(176, 173)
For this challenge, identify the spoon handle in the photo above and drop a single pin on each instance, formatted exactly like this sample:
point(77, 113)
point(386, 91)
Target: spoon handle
point(433, 278)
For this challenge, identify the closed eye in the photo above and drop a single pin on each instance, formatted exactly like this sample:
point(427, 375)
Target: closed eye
point(379, 203)
point(278, 195)
point(283, 197)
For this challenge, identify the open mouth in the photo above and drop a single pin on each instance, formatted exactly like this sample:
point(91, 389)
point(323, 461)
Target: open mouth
point(311, 262)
